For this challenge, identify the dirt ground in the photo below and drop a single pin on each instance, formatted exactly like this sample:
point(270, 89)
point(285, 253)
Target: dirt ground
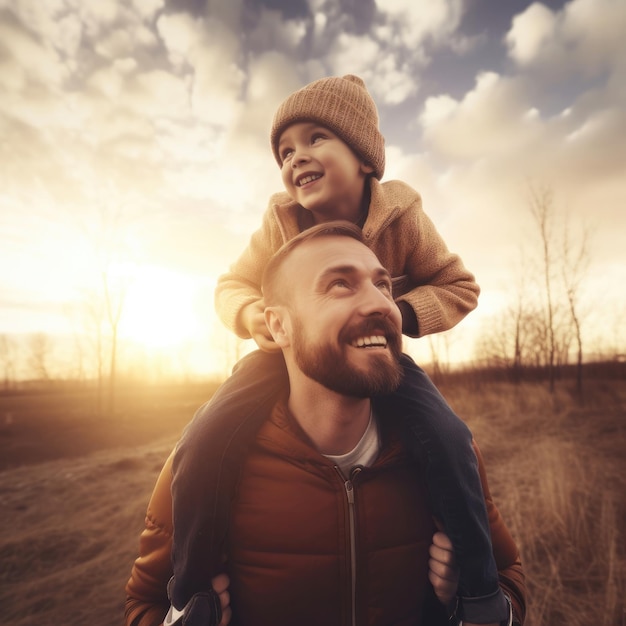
point(44, 425)
point(73, 494)
point(74, 490)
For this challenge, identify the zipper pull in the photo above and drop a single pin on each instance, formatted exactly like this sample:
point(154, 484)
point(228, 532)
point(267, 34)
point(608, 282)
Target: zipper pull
point(349, 491)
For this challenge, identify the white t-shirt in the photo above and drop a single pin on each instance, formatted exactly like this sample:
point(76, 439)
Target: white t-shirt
point(364, 453)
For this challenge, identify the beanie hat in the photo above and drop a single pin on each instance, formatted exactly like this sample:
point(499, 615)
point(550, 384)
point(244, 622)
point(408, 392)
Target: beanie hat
point(342, 105)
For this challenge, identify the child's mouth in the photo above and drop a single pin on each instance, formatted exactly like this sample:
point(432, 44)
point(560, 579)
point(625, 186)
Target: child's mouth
point(308, 179)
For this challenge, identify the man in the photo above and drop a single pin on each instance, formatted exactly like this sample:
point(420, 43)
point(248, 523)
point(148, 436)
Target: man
point(331, 522)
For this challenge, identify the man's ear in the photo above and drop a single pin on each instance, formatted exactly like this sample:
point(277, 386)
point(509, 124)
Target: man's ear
point(277, 321)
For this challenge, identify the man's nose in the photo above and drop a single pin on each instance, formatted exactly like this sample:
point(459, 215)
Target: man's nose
point(373, 301)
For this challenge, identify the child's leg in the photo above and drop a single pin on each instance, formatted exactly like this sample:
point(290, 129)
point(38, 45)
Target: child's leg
point(443, 444)
point(206, 468)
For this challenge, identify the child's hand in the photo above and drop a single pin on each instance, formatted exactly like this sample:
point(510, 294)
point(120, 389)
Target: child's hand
point(253, 318)
point(442, 570)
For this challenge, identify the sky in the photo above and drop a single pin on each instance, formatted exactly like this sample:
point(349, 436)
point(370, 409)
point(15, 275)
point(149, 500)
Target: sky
point(135, 137)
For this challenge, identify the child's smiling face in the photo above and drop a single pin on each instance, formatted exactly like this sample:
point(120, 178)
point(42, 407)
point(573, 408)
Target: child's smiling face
point(321, 172)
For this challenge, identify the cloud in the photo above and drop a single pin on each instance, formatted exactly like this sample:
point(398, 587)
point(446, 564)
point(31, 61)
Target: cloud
point(269, 31)
point(486, 146)
point(271, 78)
point(211, 52)
point(26, 61)
point(158, 93)
point(585, 36)
point(499, 127)
point(117, 122)
point(418, 22)
point(392, 53)
point(531, 32)
point(100, 14)
point(386, 47)
point(493, 120)
point(361, 55)
point(163, 114)
point(147, 8)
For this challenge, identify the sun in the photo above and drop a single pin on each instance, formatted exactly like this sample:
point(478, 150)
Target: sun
point(159, 309)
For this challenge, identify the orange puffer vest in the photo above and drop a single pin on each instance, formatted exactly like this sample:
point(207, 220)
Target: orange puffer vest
point(309, 547)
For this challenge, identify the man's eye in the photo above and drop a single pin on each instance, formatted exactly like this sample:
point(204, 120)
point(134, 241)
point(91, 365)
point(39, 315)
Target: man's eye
point(339, 284)
point(385, 285)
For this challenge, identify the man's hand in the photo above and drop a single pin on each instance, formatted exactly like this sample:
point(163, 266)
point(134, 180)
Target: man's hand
point(220, 585)
point(199, 604)
point(253, 318)
point(442, 570)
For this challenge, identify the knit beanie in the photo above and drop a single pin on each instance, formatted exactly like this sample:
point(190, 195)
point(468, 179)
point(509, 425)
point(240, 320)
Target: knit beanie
point(342, 105)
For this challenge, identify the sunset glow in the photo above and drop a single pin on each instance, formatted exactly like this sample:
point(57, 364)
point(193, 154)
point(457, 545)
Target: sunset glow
point(159, 311)
point(136, 136)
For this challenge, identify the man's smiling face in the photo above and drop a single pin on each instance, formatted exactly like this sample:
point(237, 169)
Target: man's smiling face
point(345, 327)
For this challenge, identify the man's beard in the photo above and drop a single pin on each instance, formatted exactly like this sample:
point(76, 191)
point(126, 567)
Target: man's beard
point(328, 364)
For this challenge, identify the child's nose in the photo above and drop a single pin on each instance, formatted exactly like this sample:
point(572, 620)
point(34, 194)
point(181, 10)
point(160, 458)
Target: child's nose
point(300, 156)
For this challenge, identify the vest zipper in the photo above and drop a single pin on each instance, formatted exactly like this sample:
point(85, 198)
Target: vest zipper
point(349, 487)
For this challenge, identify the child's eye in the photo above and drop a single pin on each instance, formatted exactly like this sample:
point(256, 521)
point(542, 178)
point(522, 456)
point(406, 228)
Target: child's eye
point(286, 153)
point(317, 137)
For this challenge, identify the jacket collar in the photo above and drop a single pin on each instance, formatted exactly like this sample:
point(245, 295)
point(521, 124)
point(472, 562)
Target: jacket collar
point(292, 218)
point(281, 434)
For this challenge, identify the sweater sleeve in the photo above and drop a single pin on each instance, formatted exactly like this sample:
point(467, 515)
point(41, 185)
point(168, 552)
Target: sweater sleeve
point(506, 553)
point(445, 290)
point(241, 285)
point(146, 590)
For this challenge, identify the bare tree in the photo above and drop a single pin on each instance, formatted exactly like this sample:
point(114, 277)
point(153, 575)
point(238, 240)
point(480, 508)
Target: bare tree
point(517, 314)
point(514, 339)
point(493, 346)
point(88, 318)
point(575, 262)
point(439, 346)
point(105, 229)
point(39, 347)
point(229, 347)
point(541, 206)
point(8, 358)
point(543, 324)
point(114, 296)
point(184, 359)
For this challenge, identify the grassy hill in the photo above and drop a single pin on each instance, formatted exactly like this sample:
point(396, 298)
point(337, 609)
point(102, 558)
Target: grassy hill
point(72, 512)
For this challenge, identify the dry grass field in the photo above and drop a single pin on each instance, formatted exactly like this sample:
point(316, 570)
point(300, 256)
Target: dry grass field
point(72, 512)
point(557, 471)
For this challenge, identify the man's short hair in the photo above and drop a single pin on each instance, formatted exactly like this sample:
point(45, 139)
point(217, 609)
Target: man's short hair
point(273, 291)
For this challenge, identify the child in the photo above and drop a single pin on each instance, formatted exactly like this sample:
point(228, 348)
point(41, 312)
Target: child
point(326, 141)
